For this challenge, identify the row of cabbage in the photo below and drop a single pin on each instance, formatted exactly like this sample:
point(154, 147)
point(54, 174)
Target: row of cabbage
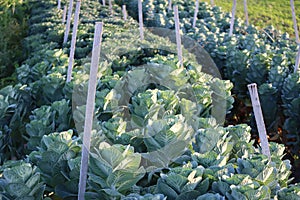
point(155, 135)
point(265, 57)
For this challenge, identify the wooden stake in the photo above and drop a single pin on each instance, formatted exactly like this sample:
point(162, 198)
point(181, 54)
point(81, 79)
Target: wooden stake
point(259, 119)
point(212, 3)
point(295, 21)
point(297, 63)
point(170, 5)
point(89, 113)
point(141, 19)
point(110, 7)
point(124, 12)
point(246, 12)
point(196, 13)
point(73, 41)
point(232, 18)
point(64, 15)
point(103, 2)
point(58, 4)
point(68, 21)
point(178, 36)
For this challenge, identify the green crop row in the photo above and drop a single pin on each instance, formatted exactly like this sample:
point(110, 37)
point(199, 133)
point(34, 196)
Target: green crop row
point(265, 57)
point(157, 129)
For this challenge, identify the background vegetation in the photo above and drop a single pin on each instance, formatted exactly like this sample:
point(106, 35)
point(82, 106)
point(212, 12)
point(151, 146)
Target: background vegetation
point(263, 13)
point(13, 23)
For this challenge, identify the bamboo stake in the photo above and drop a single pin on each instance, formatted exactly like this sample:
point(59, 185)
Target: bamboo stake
point(178, 37)
point(58, 4)
point(73, 41)
point(196, 13)
point(141, 19)
point(89, 113)
point(64, 15)
point(103, 2)
point(124, 12)
point(259, 119)
point(110, 7)
point(246, 12)
point(68, 21)
point(294, 21)
point(232, 18)
point(297, 60)
point(170, 5)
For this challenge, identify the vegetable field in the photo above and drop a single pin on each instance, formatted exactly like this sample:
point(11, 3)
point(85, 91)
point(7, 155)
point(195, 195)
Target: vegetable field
point(171, 117)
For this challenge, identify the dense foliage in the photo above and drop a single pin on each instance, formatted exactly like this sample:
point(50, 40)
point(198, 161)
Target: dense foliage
point(158, 127)
point(13, 27)
point(265, 57)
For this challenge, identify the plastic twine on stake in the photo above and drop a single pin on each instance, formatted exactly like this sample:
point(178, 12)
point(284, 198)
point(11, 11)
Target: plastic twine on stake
point(259, 119)
point(232, 18)
point(170, 5)
point(103, 2)
point(89, 113)
point(64, 15)
point(196, 13)
point(124, 12)
point(68, 21)
point(294, 21)
point(246, 12)
point(178, 36)
point(141, 19)
point(73, 41)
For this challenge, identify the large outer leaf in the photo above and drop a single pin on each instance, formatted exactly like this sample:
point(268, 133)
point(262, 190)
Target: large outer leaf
point(18, 174)
point(21, 181)
point(114, 169)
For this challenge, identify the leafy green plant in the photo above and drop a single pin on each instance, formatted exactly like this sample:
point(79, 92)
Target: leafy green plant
point(291, 192)
point(114, 170)
point(58, 160)
point(15, 102)
point(20, 180)
point(182, 183)
point(46, 120)
point(269, 99)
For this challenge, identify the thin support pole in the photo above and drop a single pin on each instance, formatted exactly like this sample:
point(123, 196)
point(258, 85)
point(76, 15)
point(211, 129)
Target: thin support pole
point(89, 113)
